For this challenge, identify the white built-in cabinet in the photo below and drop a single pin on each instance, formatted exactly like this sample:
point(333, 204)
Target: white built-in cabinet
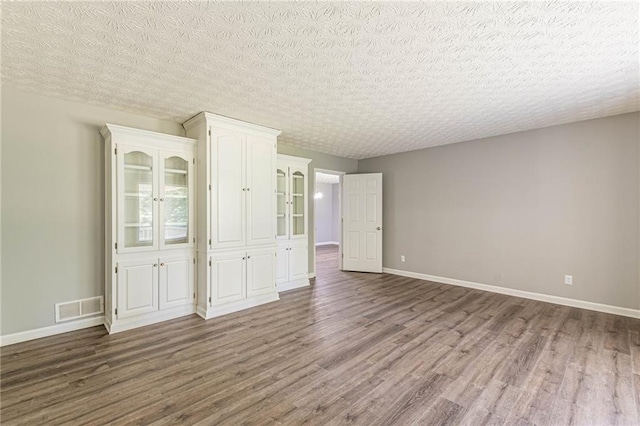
point(150, 228)
point(292, 222)
point(236, 213)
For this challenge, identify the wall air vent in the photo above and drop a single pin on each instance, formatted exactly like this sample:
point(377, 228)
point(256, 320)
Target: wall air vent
point(79, 308)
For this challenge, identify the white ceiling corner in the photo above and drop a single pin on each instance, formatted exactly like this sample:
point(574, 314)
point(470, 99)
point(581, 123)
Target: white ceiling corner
point(346, 78)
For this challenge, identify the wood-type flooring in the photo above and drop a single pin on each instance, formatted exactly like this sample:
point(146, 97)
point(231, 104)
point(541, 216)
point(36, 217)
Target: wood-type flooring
point(353, 348)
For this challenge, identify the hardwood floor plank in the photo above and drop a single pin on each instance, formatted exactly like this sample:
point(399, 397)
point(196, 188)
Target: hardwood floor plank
point(354, 348)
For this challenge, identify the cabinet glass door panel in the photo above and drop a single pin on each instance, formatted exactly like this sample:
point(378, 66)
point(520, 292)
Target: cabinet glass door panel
point(281, 202)
point(175, 201)
point(297, 203)
point(138, 209)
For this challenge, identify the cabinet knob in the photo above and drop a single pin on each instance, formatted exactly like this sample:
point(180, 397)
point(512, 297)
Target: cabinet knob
point(248, 257)
point(248, 189)
point(244, 258)
point(155, 199)
point(378, 228)
point(162, 264)
point(161, 199)
point(155, 265)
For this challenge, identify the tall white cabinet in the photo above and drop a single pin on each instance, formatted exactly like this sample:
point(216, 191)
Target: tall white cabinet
point(150, 227)
point(292, 222)
point(236, 214)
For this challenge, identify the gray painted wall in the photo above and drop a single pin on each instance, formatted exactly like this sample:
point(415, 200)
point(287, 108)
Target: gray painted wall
point(320, 161)
point(518, 211)
point(324, 213)
point(522, 210)
point(52, 222)
point(53, 203)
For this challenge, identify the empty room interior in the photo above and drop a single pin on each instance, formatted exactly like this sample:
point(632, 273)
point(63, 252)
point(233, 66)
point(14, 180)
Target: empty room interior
point(371, 213)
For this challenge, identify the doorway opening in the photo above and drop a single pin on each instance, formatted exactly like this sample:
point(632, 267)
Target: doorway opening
point(327, 195)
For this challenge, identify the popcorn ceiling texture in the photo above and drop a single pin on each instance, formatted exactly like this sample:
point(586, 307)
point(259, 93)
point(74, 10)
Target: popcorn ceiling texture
point(351, 79)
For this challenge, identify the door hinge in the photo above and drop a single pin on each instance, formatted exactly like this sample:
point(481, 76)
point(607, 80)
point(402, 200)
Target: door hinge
point(194, 261)
point(193, 160)
point(209, 263)
point(194, 295)
point(116, 269)
point(115, 151)
point(209, 299)
point(194, 239)
point(116, 246)
point(209, 187)
point(209, 132)
point(209, 241)
point(116, 311)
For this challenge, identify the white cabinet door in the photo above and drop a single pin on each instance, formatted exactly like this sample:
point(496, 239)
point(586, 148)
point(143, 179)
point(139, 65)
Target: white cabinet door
point(227, 188)
point(298, 262)
point(261, 271)
point(176, 207)
point(176, 281)
point(137, 287)
point(282, 202)
point(362, 225)
point(298, 202)
point(228, 277)
point(282, 265)
point(137, 198)
point(261, 197)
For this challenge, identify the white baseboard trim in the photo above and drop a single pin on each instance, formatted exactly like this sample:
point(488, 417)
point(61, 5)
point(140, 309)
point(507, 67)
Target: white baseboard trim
point(23, 336)
point(592, 306)
point(328, 243)
point(311, 275)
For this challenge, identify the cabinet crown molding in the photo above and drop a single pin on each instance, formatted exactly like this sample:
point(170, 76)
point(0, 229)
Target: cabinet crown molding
point(222, 121)
point(113, 130)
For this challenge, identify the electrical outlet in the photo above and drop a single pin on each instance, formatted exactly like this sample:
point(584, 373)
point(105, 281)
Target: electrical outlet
point(568, 279)
point(402, 258)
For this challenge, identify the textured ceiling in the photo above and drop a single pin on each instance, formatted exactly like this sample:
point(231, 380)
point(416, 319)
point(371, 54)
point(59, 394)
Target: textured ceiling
point(346, 78)
point(327, 178)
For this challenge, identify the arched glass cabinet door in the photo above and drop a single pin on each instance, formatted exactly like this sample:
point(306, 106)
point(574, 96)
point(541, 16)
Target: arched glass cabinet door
point(175, 200)
point(137, 204)
point(282, 203)
point(298, 202)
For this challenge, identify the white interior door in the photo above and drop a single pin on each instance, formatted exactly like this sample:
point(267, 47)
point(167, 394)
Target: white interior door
point(362, 222)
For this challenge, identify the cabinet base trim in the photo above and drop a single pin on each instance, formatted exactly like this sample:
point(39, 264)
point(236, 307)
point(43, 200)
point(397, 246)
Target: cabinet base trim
point(37, 333)
point(147, 319)
point(219, 310)
point(291, 285)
